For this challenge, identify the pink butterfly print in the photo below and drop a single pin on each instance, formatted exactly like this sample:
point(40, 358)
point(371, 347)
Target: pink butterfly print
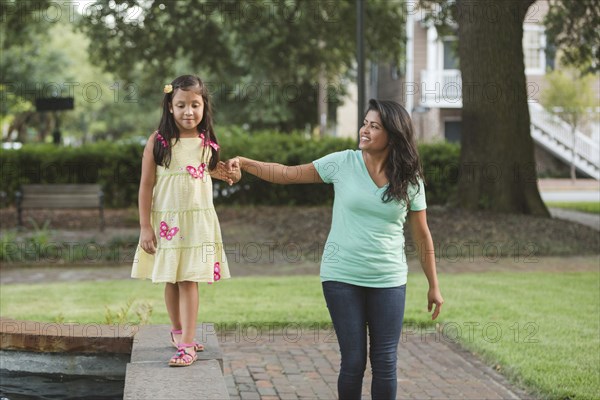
point(196, 173)
point(166, 232)
point(216, 273)
point(206, 142)
point(162, 140)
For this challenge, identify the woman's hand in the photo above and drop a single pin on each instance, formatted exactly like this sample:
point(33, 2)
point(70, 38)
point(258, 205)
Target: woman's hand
point(234, 169)
point(226, 173)
point(233, 165)
point(434, 296)
point(148, 240)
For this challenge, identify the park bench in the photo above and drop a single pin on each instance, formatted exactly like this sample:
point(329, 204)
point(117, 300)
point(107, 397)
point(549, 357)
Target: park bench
point(63, 196)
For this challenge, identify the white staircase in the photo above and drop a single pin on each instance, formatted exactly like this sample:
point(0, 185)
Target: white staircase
point(555, 135)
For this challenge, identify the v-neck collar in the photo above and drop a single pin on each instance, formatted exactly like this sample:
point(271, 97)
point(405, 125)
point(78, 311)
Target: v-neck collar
point(368, 176)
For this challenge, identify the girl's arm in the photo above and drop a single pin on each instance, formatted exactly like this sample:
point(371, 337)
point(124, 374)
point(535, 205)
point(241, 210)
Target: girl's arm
point(277, 173)
point(147, 235)
point(424, 242)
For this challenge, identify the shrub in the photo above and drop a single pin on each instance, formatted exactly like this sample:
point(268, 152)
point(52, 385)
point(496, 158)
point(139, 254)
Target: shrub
point(441, 163)
point(117, 167)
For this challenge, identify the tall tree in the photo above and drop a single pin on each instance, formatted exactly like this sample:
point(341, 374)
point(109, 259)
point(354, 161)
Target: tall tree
point(497, 158)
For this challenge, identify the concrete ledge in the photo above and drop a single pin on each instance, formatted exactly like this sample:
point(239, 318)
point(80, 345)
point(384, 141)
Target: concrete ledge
point(153, 380)
point(149, 376)
point(50, 337)
point(153, 344)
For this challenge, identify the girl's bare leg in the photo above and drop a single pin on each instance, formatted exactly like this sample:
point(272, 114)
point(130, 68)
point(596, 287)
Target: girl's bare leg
point(188, 307)
point(172, 302)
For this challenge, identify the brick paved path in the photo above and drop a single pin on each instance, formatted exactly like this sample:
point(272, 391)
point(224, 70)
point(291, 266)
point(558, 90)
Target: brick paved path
point(303, 364)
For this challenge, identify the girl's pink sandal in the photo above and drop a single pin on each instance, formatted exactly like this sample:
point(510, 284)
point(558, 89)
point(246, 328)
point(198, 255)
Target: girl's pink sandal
point(182, 358)
point(198, 346)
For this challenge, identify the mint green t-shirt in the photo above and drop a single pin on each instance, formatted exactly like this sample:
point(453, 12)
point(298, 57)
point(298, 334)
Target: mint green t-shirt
point(365, 246)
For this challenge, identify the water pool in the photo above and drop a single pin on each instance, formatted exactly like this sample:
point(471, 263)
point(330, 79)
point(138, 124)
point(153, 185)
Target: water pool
point(26, 385)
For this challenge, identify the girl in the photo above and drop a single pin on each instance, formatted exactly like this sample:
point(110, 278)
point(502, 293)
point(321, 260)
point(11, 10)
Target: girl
point(180, 239)
point(363, 269)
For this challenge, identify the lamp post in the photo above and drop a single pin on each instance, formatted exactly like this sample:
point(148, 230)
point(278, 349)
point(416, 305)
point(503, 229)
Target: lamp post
point(360, 48)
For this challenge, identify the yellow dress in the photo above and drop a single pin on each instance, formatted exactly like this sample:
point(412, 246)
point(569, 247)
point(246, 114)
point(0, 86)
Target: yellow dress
point(184, 220)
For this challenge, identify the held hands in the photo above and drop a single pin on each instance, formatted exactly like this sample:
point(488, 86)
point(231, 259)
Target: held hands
point(434, 296)
point(230, 172)
point(233, 164)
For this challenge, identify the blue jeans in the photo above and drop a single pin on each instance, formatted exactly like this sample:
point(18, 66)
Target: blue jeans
point(352, 309)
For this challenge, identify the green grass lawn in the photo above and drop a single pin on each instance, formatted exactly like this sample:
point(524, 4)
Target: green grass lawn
point(591, 207)
point(539, 329)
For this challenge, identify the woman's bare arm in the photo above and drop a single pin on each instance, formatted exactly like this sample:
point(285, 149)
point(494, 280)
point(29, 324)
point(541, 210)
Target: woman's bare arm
point(422, 237)
point(277, 173)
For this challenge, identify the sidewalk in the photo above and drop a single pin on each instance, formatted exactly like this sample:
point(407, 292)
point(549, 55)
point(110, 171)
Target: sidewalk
point(565, 190)
point(591, 220)
point(304, 363)
point(546, 185)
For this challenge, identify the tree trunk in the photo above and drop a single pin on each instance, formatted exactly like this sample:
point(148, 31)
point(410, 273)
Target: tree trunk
point(498, 170)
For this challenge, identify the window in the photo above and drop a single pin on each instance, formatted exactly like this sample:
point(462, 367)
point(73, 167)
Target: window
point(452, 131)
point(534, 43)
point(450, 56)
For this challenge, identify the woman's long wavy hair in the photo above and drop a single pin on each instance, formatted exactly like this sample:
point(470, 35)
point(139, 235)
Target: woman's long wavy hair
point(168, 129)
point(403, 165)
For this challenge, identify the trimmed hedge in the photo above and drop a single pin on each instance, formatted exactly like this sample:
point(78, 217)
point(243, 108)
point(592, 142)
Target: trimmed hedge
point(117, 167)
point(441, 163)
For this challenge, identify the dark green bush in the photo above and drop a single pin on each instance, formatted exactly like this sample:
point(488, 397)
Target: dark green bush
point(117, 167)
point(441, 168)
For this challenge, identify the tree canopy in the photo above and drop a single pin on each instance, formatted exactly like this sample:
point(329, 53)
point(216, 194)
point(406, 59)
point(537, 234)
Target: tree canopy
point(262, 60)
point(572, 26)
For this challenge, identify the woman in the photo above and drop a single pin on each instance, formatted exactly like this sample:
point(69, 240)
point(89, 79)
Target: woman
point(363, 269)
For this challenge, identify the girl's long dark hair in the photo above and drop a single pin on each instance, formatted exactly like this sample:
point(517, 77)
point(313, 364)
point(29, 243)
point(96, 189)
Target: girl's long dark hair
point(168, 129)
point(403, 166)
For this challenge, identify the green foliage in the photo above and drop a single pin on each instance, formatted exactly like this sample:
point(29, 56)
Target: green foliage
point(33, 246)
point(583, 206)
point(441, 165)
point(26, 59)
point(54, 62)
point(143, 314)
point(20, 18)
point(262, 60)
point(572, 26)
point(7, 239)
point(569, 95)
point(117, 167)
point(284, 149)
